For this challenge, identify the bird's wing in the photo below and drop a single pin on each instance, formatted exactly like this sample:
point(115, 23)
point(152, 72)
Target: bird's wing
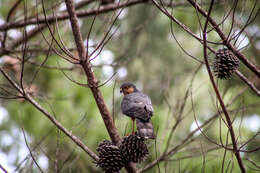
point(137, 105)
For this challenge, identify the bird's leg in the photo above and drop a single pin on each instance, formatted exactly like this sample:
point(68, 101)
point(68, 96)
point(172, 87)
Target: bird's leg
point(133, 127)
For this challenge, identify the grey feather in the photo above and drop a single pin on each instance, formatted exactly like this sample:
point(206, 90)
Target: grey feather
point(145, 129)
point(137, 105)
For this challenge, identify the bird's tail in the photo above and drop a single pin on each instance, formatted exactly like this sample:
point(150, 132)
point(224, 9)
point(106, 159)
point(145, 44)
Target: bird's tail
point(145, 129)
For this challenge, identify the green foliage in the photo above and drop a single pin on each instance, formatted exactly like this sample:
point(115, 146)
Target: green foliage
point(146, 48)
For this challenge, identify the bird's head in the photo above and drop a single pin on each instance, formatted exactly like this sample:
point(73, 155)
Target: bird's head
point(128, 88)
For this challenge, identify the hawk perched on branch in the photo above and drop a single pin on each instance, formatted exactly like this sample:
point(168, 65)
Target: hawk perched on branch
point(138, 106)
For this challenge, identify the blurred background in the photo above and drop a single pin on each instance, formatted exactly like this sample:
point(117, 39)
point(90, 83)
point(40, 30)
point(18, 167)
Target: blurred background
point(146, 48)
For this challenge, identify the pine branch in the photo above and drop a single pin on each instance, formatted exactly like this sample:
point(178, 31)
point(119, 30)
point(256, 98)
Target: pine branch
point(92, 81)
point(49, 116)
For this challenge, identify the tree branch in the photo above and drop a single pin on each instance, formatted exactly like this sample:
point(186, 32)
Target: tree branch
point(249, 83)
point(3, 169)
point(31, 154)
point(49, 116)
point(92, 81)
point(229, 122)
point(34, 31)
point(225, 40)
point(64, 16)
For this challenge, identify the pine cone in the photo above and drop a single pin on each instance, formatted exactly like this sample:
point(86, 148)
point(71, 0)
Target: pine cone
point(110, 159)
point(102, 145)
point(225, 64)
point(133, 148)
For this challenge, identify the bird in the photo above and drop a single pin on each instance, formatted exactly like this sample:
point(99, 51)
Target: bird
point(139, 107)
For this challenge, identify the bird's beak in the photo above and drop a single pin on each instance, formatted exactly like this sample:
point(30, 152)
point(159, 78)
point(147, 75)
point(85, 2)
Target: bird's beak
point(121, 90)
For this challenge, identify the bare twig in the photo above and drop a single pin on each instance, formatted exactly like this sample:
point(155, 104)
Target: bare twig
point(113, 101)
point(62, 16)
point(177, 147)
point(50, 117)
point(32, 156)
point(249, 83)
point(34, 31)
point(57, 153)
point(3, 169)
point(92, 81)
point(255, 164)
point(20, 40)
point(232, 133)
point(9, 15)
point(225, 40)
point(33, 148)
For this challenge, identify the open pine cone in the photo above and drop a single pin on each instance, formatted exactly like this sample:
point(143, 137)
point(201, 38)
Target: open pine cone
point(225, 64)
point(133, 148)
point(110, 159)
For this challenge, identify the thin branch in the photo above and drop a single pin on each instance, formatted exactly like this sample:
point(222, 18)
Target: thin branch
point(251, 161)
point(62, 47)
point(183, 26)
point(3, 169)
point(21, 39)
point(33, 148)
point(34, 31)
point(225, 40)
point(92, 81)
point(249, 83)
point(33, 158)
point(57, 153)
point(62, 16)
point(232, 133)
point(50, 117)
point(113, 101)
point(174, 149)
point(9, 15)
point(109, 79)
point(248, 22)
